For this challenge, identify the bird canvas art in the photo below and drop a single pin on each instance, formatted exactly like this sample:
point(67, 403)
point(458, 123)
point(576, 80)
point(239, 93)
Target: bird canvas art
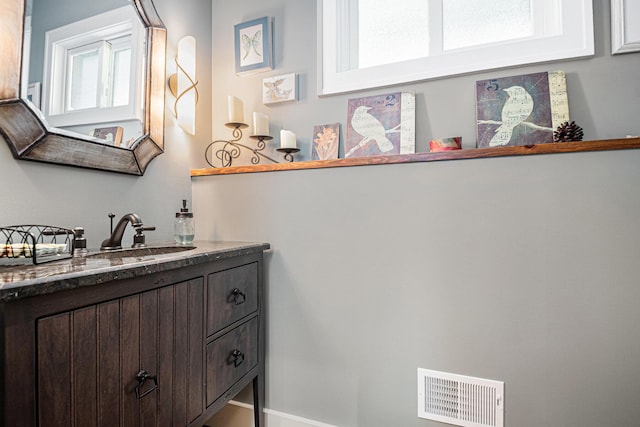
point(520, 110)
point(380, 125)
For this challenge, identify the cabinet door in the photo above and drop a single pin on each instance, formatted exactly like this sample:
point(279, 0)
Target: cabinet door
point(89, 359)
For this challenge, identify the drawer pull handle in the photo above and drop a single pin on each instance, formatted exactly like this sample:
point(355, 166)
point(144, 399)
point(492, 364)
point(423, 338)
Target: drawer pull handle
point(238, 296)
point(142, 377)
point(236, 357)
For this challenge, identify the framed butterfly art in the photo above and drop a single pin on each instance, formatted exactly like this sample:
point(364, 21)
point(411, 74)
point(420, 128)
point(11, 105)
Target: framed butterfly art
point(253, 46)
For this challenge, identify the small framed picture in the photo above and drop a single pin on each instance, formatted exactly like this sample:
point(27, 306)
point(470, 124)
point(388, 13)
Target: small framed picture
point(326, 141)
point(253, 46)
point(279, 89)
point(111, 135)
point(33, 93)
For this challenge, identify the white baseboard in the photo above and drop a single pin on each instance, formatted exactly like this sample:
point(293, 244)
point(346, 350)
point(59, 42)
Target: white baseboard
point(280, 419)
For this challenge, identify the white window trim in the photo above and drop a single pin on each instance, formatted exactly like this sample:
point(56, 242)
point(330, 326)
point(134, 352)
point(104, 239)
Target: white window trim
point(576, 40)
point(59, 41)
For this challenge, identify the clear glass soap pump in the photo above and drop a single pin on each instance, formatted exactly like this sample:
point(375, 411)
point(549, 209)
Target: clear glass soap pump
point(184, 228)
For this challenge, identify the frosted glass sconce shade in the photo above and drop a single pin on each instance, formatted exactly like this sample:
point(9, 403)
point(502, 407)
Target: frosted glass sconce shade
point(183, 85)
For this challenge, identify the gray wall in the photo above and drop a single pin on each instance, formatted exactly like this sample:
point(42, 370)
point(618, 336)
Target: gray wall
point(49, 194)
point(444, 107)
point(522, 270)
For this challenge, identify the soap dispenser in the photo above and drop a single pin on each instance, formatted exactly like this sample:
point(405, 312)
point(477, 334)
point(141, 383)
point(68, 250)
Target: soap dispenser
point(184, 228)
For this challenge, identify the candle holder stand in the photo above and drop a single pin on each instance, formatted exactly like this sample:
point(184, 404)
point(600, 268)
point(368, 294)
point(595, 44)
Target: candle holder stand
point(289, 152)
point(232, 149)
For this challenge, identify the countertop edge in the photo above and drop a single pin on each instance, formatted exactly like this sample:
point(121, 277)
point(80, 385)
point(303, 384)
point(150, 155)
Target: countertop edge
point(42, 284)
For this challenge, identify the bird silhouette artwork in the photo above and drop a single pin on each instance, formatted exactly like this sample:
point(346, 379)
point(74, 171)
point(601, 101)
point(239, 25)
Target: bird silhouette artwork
point(370, 129)
point(516, 110)
point(380, 125)
point(521, 109)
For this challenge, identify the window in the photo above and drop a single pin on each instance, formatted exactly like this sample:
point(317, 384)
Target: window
point(99, 75)
point(90, 72)
point(372, 43)
point(83, 84)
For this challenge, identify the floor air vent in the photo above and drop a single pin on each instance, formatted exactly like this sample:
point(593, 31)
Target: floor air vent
point(460, 400)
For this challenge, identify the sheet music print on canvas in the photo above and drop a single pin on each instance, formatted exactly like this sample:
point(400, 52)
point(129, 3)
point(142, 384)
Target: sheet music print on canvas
point(559, 98)
point(520, 110)
point(380, 125)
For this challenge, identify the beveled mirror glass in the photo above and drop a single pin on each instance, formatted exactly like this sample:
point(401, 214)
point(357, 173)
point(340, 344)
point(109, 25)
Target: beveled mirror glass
point(26, 128)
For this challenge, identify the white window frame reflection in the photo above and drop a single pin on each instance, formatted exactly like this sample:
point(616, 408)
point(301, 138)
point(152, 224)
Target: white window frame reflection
point(105, 79)
point(108, 33)
point(562, 29)
point(79, 81)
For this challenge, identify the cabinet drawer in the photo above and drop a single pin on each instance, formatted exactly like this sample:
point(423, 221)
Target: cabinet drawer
point(230, 357)
point(231, 295)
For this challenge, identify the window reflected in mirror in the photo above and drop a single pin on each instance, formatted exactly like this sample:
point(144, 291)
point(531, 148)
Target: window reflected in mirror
point(90, 67)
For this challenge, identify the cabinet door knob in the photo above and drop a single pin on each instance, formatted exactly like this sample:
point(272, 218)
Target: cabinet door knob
point(142, 377)
point(238, 296)
point(236, 357)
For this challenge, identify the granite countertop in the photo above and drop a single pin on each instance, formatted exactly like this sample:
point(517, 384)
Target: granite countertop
point(23, 281)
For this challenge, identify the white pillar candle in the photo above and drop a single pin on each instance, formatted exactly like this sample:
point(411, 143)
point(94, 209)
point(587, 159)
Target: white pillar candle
point(287, 139)
point(236, 110)
point(260, 124)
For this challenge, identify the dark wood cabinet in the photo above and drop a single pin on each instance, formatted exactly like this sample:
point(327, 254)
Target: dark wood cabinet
point(89, 360)
point(164, 349)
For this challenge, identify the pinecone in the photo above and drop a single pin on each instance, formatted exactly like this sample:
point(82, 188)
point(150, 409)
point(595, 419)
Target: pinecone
point(568, 132)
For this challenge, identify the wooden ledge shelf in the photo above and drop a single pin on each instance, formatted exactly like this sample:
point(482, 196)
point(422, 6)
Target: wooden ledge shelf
point(472, 153)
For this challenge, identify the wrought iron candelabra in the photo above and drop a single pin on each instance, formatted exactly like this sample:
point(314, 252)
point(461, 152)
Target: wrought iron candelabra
point(225, 151)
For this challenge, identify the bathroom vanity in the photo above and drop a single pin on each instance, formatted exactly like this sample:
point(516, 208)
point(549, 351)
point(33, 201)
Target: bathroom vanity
point(133, 338)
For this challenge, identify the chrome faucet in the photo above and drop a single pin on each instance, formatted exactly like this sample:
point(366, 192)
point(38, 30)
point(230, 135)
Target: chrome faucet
point(115, 240)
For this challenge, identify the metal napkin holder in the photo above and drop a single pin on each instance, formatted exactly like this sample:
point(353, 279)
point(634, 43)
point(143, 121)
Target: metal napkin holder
point(34, 244)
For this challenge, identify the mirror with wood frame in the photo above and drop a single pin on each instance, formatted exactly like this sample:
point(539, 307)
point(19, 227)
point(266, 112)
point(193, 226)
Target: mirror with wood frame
point(30, 135)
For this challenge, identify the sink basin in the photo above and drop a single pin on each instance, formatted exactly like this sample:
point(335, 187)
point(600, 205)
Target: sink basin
point(140, 252)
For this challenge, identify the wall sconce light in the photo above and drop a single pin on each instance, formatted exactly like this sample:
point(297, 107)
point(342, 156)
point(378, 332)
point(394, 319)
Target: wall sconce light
point(222, 152)
point(183, 85)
